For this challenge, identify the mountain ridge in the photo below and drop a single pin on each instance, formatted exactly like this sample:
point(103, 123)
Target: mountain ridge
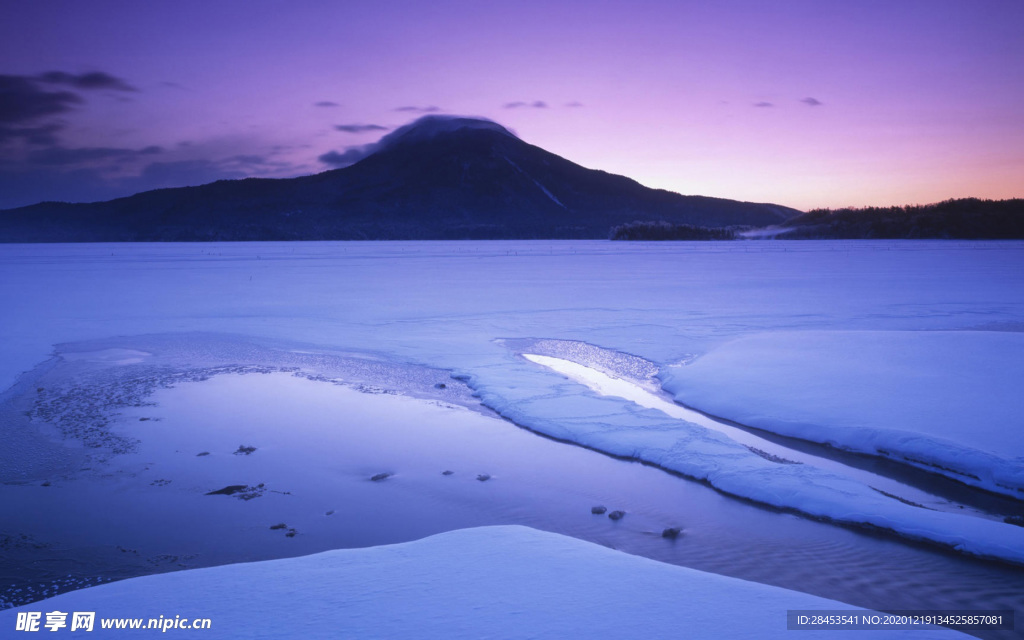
point(437, 178)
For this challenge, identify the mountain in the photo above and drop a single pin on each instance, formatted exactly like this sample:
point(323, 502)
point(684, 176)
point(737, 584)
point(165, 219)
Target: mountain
point(441, 177)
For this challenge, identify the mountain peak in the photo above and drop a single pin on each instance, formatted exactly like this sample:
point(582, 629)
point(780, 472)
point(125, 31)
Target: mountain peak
point(431, 126)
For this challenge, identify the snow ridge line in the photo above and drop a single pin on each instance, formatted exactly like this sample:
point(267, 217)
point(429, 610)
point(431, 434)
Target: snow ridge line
point(610, 426)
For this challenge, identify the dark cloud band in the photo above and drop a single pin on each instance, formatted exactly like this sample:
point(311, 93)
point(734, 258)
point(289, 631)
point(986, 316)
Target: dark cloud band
point(56, 155)
point(92, 80)
point(22, 100)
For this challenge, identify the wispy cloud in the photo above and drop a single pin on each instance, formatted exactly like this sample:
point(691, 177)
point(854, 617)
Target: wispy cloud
point(812, 102)
point(350, 155)
point(62, 156)
point(574, 104)
point(326, 104)
point(39, 159)
point(360, 128)
point(536, 104)
point(412, 109)
point(764, 104)
point(179, 173)
point(27, 103)
point(87, 81)
point(44, 134)
point(24, 101)
point(249, 160)
point(423, 128)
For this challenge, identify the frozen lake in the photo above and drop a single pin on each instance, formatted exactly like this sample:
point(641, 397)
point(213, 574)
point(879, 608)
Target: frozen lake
point(341, 361)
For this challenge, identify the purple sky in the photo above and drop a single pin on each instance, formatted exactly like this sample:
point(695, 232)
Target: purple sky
point(806, 104)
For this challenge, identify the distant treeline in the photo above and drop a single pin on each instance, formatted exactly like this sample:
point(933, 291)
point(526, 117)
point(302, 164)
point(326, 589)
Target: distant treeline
point(661, 230)
point(964, 218)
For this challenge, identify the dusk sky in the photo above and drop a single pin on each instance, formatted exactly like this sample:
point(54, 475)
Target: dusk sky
point(805, 104)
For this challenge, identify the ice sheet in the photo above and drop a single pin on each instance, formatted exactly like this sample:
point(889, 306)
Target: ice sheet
point(947, 401)
point(444, 302)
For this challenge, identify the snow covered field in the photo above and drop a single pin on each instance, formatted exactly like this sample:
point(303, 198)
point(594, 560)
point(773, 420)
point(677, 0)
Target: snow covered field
point(907, 349)
point(496, 582)
point(948, 401)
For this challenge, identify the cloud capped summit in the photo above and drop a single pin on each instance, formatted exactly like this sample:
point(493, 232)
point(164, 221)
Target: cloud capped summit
point(439, 177)
point(430, 126)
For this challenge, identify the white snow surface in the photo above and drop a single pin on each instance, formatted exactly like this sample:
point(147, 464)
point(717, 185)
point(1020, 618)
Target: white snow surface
point(449, 304)
point(569, 411)
point(949, 401)
point(444, 303)
point(492, 582)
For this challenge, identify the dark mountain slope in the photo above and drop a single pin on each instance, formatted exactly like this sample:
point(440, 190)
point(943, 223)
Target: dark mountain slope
point(439, 178)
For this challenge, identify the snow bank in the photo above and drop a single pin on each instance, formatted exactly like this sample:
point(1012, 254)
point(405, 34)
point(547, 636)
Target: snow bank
point(945, 401)
point(494, 582)
point(563, 409)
